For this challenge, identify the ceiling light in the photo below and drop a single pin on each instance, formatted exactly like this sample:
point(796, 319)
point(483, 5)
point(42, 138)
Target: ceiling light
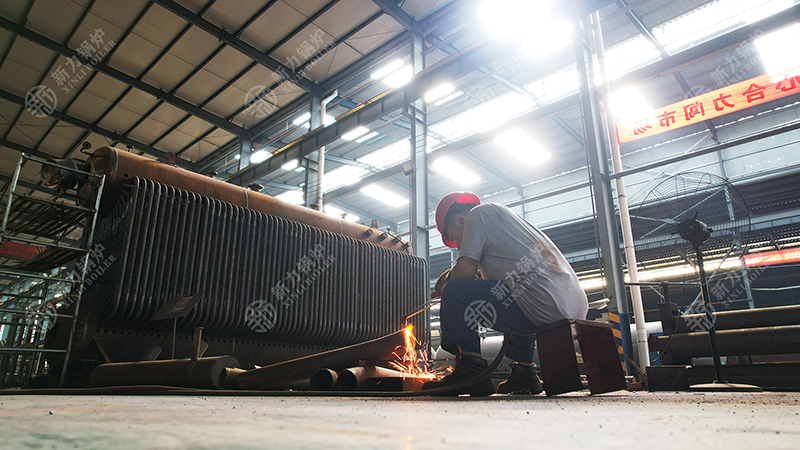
point(629, 105)
point(342, 176)
point(289, 165)
point(387, 69)
point(261, 155)
point(387, 156)
point(291, 197)
point(400, 77)
point(367, 137)
point(384, 195)
point(237, 156)
point(773, 49)
point(439, 92)
point(532, 24)
point(301, 119)
point(522, 146)
point(452, 96)
point(350, 135)
point(338, 213)
point(455, 172)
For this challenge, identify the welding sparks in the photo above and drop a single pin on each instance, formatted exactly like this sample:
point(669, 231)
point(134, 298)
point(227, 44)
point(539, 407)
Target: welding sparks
point(413, 361)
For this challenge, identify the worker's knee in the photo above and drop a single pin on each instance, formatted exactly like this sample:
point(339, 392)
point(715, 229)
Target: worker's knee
point(455, 289)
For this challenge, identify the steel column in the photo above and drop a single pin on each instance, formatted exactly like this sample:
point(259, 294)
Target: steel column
point(603, 196)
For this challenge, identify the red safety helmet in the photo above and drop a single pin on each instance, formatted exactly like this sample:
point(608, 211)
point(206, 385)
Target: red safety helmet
point(444, 206)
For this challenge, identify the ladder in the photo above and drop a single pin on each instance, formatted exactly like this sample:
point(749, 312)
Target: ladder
point(46, 249)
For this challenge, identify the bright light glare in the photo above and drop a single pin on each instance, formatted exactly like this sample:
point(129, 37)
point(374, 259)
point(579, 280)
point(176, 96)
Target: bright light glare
point(301, 119)
point(367, 137)
point(669, 272)
point(629, 105)
point(455, 172)
point(291, 197)
point(336, 212)
point(350, 135)
point(384, 195)
point(387, 69)
point(261, 155)
point(533, 23)
point(439, 92)
point(289, 165)
point(400, 77)
point(388, 156)
point(519, 144)
point(453, 96)
point(773, 49)
point(342, 176)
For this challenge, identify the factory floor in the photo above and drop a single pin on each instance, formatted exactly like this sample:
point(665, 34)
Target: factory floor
point(617, 420)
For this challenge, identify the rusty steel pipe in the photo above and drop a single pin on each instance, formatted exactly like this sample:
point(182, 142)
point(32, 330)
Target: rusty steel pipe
point(205, 373)
point(119, 166)
point(324, 380)
point(355, 378)
point(297, 369)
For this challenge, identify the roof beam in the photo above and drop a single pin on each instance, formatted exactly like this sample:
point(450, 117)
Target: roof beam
point(706, 50)
point(546, 112)
point(123, 77)
point(5, 95)
point(238, 45)
point(448, 69)
point(397, 13)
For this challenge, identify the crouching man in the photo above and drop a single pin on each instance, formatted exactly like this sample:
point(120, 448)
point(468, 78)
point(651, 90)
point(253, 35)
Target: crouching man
point(527, 284)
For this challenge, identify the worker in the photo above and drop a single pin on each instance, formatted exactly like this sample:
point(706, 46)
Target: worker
point(527, 283)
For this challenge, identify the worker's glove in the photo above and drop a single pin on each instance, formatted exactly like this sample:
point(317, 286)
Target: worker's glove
point(440, 282)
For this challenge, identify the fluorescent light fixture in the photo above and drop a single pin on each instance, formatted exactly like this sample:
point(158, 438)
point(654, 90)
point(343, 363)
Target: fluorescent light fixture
point(300, 169)
point(629, 105)
point(261, 155)
point(519, 144)
point(302, 119)
point(533, 24)
point(342, 176)
point(386, 70)
point(400, 77)
point(291, 197)
point(366, 137)
point(336, 212)
point(390, 155)
point(289, 165)
point(452, 96)
point(439, 92)
point(350, 135)
point(384, 195)
point(455, 172)
point(775, 49)
point(238, 156)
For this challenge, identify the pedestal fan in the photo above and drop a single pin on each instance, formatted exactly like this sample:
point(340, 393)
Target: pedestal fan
point(700, 221)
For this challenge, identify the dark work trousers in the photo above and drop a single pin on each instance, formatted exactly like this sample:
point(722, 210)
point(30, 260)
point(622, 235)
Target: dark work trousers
point(467, 303)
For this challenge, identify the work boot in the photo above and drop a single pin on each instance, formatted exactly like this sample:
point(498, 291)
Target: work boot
point(523, 380)
point(466, 368)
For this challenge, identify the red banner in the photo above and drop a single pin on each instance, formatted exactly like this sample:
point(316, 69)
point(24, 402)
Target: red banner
point(736, 97)
point(770, 258)
point(14, 250)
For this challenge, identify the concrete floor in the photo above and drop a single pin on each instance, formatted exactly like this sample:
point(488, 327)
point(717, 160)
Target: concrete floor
point(618, 420)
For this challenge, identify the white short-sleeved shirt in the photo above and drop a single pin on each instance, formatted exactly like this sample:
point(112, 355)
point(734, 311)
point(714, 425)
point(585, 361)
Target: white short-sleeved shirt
point(512, 250)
